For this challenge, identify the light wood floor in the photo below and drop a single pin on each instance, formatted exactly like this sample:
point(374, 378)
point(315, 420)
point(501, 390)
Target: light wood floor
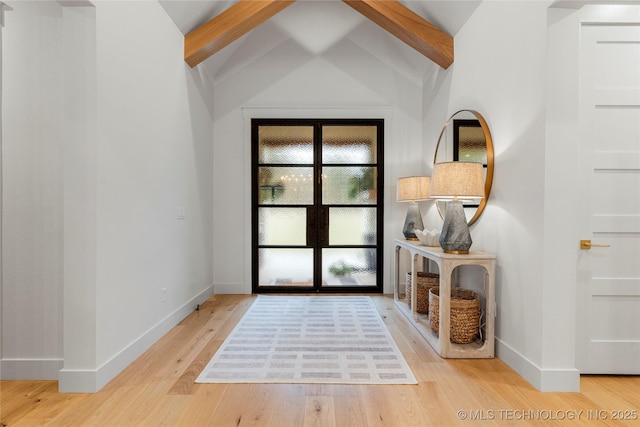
point(158, 390)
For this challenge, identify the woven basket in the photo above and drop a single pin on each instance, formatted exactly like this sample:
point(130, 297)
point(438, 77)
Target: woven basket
point(425, 282)
point(465, 314)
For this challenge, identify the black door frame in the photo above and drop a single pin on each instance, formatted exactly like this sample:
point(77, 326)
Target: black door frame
point(319, 211)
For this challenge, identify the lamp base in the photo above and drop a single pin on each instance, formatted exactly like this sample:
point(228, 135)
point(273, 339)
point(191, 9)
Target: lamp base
point(455, 237)
point(412, 222)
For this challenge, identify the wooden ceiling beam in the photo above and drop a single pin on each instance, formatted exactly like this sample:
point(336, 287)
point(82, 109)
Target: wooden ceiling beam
point(227, 27)
point(409, 27)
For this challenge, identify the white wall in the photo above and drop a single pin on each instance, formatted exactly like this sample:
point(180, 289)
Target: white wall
point(154, 156)
point(32, 191)
point(79, 195)
point(523, 76)
point(500, 71)
point(1, 191)
point(119, 137)
point(287, 80)
point(560, 237)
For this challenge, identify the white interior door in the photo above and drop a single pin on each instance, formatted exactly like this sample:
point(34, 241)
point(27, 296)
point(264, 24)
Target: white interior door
point(608, 305)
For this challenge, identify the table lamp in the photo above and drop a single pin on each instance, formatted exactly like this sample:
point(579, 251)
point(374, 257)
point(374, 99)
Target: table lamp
point(413, 189)
point(455, 182)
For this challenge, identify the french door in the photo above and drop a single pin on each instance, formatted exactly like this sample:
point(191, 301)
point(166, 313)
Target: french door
point(317, 205)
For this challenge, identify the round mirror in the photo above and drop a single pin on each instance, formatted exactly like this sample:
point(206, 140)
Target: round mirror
point(465, 137)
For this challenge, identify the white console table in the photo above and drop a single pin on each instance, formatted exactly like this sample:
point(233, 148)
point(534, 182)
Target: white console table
point(446, 264)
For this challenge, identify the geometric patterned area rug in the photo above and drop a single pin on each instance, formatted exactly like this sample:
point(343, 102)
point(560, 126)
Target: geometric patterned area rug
point(309, 339)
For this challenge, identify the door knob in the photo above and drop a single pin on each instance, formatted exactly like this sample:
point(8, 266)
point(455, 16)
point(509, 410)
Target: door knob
point(586, 244)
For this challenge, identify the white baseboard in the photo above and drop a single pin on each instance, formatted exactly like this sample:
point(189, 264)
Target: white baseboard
point(90, 381)
point(552, 380)
point(29, 369)
point(78, 381)
point(232, 288)
point(560, 380)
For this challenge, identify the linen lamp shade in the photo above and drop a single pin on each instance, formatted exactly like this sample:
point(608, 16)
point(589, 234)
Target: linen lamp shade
point(412, 189)
point(457, 180)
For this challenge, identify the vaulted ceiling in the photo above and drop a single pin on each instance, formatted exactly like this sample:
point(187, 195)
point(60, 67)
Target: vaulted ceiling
point(318, 25)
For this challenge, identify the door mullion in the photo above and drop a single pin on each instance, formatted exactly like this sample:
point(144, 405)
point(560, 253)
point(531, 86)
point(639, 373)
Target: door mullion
point(323, 227)
point(317, 144)
point(312, 227)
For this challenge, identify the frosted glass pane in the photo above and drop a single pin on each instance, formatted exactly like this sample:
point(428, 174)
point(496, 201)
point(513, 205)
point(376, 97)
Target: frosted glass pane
point(349, 267)
point(352, 226)
point(285, 144)
point(282, 226)
point(349, 185)
point(286, 267)
point(471, 145)
point(285, 185)
point(349, 144)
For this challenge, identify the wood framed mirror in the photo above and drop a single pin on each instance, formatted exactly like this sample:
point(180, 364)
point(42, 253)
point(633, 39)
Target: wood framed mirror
point(466, 137)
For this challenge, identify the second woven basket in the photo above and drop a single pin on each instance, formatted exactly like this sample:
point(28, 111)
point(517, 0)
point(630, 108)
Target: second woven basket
point(465, 314)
